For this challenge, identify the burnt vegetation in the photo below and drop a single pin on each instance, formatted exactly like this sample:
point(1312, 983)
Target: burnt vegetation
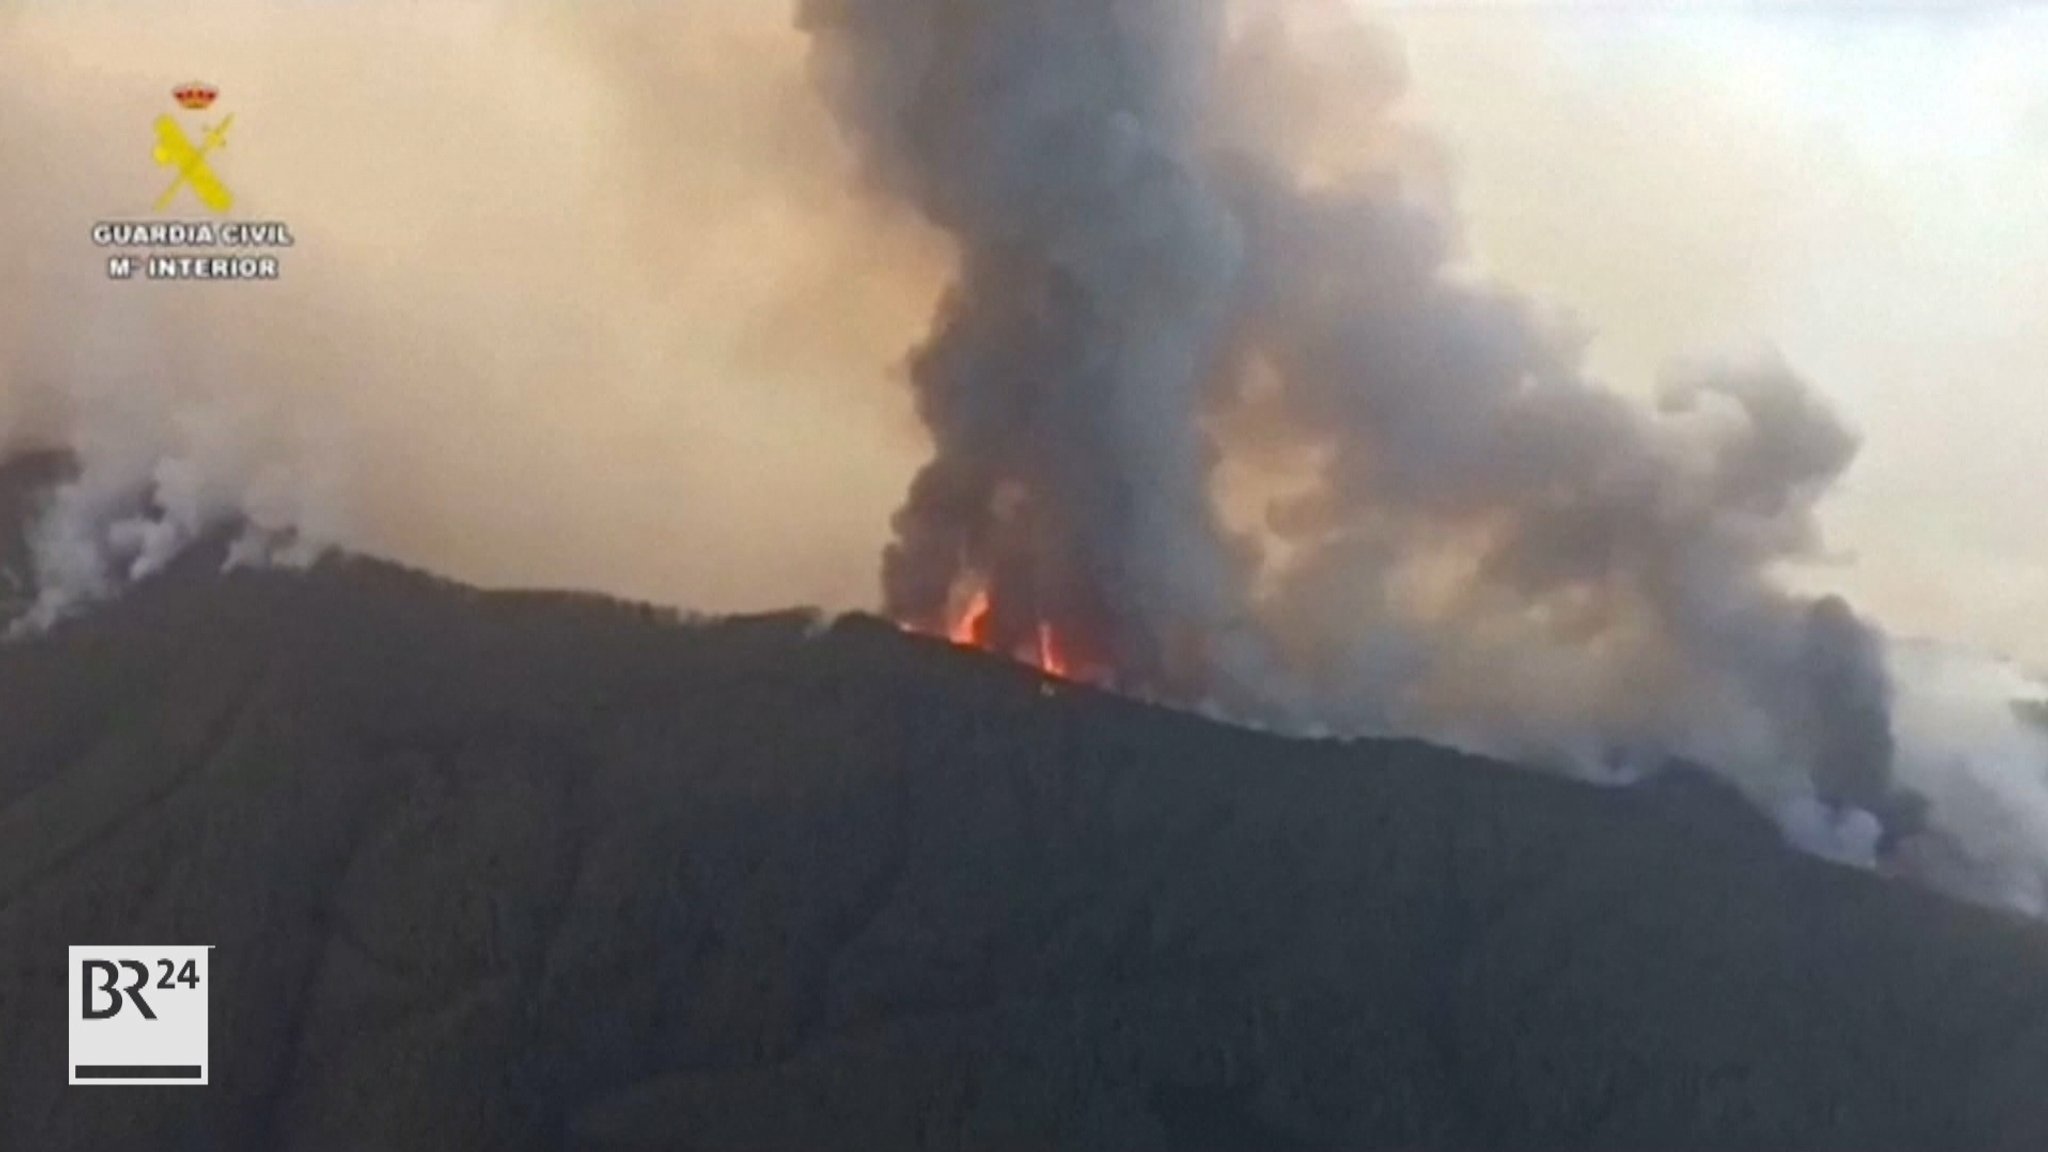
point(523, 871)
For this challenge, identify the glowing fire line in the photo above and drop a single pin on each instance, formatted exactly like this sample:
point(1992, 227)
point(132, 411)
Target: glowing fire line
point(972, 625)
point(970, 629)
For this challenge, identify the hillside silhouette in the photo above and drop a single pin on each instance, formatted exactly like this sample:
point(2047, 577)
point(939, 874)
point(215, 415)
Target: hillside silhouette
point(517, 871)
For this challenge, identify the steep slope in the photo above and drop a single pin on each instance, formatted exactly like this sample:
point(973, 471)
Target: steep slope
point(505, 871)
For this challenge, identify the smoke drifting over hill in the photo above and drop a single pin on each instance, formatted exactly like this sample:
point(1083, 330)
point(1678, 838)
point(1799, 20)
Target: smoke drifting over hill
point(1156, 287)
point(1208, 393)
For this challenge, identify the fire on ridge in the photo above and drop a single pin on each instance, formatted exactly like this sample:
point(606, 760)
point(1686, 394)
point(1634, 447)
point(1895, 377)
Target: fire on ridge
point(973, 627)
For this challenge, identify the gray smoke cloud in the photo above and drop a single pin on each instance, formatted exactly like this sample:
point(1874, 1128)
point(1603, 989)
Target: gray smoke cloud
point(1211, 397)
point(1213, 389)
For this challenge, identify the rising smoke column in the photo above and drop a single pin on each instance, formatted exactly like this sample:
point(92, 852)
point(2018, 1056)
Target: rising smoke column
point(1096, 271)
point(1165, 281)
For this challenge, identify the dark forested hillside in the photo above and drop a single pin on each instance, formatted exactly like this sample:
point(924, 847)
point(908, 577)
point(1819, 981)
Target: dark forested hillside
point(501, 871)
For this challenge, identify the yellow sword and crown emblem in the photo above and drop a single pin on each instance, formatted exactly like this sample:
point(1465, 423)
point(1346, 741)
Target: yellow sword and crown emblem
point(176, 151)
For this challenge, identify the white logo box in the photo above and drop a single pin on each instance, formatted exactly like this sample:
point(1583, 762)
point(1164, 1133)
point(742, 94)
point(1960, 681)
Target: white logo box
point(139, 1014)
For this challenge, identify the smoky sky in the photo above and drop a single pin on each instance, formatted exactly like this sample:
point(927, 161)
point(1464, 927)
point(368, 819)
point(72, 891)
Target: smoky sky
point(1144, 262)
point(576, 300)
point(1198, 365)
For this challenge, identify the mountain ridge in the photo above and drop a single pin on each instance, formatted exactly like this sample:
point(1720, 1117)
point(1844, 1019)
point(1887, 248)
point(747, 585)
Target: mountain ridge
point(526, 870)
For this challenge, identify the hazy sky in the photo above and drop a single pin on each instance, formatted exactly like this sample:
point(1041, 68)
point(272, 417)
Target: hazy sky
point(1863, 186)
point(588, 300)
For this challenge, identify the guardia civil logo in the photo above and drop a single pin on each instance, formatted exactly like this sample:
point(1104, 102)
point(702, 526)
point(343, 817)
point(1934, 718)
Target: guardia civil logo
point(208, 247)
point(186, 158)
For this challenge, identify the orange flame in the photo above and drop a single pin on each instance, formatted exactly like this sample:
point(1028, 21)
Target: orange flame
point(1050, 659)
point(970, 629)
point(972, 626)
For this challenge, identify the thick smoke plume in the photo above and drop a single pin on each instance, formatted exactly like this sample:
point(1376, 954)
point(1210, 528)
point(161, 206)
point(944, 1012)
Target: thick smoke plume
point(1212, 388)
point(1173, 299)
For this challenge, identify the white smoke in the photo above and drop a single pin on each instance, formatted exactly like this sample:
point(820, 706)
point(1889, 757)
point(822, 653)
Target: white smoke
point(158, 468)
point(1965, 743)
